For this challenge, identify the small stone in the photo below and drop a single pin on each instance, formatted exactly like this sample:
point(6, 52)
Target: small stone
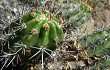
point(8, 17)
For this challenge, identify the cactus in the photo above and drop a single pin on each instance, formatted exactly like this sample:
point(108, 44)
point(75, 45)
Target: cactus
point(39, 29)
point(98, 47)
point(77, 13)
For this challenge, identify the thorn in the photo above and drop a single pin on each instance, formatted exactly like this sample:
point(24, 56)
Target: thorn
point(35, 54)
point(10, 61)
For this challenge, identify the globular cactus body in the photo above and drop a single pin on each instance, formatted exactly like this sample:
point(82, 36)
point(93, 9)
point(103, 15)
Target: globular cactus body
point(40, 29)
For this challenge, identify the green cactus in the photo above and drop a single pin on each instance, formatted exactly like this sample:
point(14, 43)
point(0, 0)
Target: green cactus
point(40, 28)
point(98, 44)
